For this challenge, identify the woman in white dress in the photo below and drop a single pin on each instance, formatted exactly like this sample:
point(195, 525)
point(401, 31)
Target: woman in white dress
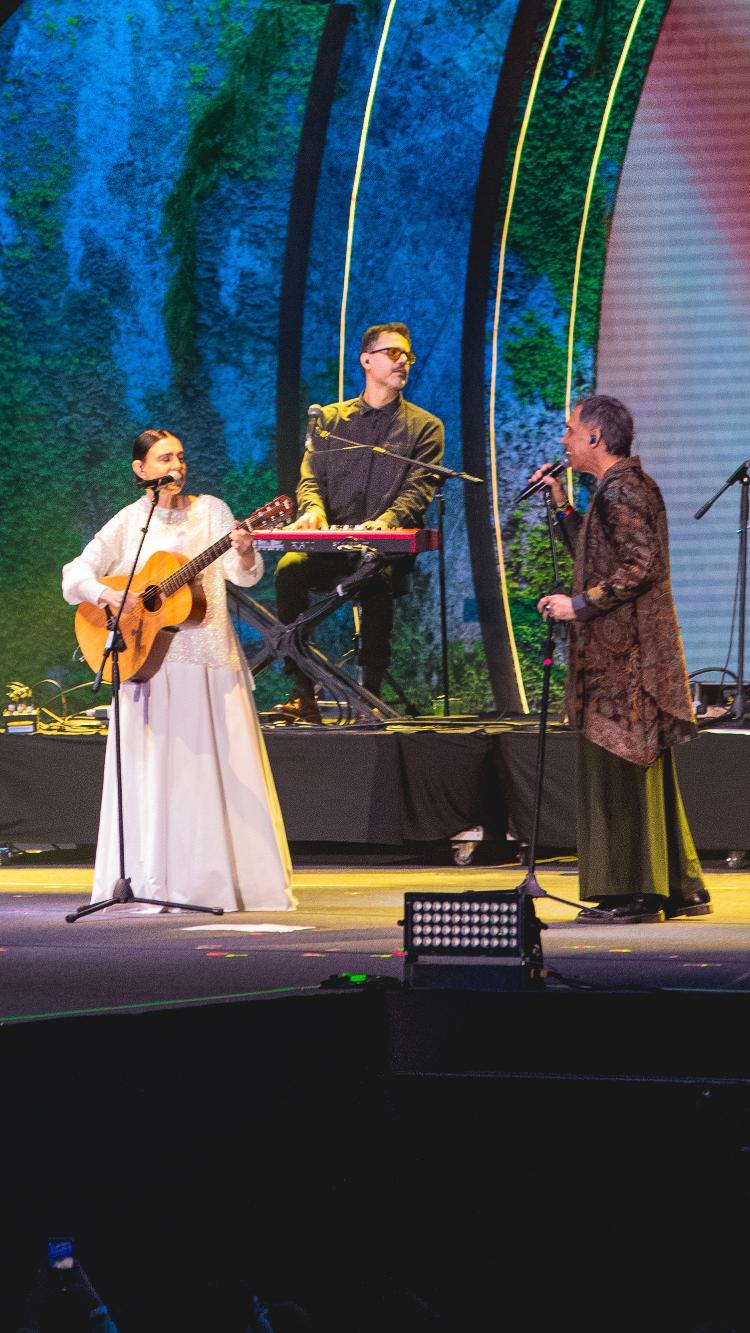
point(201, 815)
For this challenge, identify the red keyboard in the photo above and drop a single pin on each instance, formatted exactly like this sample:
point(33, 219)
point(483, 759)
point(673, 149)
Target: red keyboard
point(389, 541)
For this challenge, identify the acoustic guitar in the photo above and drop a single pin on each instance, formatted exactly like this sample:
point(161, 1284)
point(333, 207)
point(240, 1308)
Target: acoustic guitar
point(167, 598)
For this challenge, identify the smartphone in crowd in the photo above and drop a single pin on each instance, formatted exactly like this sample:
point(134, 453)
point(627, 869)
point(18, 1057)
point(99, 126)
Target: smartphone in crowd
point(59, 1251)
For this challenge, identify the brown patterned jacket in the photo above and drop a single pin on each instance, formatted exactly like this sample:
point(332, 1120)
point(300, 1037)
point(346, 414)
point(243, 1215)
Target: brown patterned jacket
point(627, 683)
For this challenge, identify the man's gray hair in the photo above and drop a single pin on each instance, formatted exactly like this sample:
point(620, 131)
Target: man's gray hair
point(613, 419)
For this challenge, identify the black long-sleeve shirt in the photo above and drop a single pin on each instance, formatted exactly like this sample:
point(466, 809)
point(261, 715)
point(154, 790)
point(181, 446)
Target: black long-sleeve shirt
point(357, 486)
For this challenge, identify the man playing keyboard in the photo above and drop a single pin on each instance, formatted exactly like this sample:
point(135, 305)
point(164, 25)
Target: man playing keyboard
point(357, 488)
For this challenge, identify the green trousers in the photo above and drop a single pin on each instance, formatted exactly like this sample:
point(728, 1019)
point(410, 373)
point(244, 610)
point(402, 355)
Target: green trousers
point(632, 832)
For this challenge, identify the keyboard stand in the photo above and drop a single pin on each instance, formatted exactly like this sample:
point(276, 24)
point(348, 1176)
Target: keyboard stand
point(293, 641)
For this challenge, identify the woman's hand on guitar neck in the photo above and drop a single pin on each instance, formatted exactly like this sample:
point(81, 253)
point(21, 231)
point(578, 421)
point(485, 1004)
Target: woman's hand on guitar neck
point(113, 597)
point(242, 543)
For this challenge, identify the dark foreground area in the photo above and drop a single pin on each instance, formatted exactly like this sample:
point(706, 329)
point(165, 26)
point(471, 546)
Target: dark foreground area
point(224, 1132)
point(383, 1158)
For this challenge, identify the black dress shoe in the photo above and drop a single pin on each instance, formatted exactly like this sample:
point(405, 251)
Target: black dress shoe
point(696, 904)
point(642, 909)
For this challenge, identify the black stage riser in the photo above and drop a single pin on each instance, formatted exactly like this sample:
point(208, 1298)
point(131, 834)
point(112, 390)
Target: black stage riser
point(343, 786)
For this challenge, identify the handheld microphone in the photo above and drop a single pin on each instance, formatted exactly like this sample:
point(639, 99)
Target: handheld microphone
point(314, 411)
point(156, 483)
point(536, 486)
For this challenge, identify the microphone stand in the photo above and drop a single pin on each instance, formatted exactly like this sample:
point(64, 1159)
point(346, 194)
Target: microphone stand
point(741, 475)
point(122, 891)
point(530, 885)
point(443, 474)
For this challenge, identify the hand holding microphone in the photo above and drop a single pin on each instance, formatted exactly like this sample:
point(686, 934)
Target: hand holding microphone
point(546, 475)
point(556, 606)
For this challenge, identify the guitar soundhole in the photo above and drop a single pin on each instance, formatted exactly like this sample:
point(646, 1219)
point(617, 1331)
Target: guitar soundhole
point(151, 598)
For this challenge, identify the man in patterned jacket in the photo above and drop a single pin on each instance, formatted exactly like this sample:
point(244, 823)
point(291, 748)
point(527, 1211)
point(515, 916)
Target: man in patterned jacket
point(628, 694)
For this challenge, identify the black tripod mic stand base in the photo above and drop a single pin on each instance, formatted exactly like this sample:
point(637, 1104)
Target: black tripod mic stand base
point(533, 889)
point(123, 893)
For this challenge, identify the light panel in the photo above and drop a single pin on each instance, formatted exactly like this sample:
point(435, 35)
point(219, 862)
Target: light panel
point(458, 924)
point(472, 941)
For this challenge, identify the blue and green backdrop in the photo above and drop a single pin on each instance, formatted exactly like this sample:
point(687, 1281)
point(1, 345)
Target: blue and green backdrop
point(204, 202)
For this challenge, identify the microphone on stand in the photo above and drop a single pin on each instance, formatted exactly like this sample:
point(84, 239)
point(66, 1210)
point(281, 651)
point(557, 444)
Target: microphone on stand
point(314, 412)
point(535, 486)
point(156, 483)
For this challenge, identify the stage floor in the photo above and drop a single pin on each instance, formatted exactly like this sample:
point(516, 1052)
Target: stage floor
point(129, 958)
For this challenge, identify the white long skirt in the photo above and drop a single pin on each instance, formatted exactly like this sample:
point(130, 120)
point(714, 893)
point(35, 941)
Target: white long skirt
point(202, 821)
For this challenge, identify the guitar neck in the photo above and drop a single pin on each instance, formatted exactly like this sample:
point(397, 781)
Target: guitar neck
point(280, 508)
point(186, 573)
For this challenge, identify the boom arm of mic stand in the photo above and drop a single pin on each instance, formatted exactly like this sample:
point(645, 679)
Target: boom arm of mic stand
point(443, 474)
point(738, 475)
point(437, 468)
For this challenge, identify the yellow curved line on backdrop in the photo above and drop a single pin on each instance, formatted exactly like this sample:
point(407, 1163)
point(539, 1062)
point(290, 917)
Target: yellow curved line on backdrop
point(495, 337)
point(587, 202)
point(355, 189)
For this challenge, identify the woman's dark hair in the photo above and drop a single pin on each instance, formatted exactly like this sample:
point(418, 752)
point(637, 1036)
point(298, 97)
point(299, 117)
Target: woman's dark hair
point(143, 442)
point(613, 419)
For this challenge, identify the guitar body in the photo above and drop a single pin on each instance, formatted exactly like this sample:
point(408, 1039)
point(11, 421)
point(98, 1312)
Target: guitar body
point(143, 629)
point(169, 597)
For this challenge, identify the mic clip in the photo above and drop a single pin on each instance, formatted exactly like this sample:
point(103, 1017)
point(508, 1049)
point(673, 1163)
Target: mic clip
point(155, 483)
point(314, 413)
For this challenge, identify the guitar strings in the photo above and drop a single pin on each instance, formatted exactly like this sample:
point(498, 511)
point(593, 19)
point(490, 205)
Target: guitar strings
point(276, 507)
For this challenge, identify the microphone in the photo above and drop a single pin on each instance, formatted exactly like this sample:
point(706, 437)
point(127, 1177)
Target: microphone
point(314, 411)
point(535, 486)
point(156, 483)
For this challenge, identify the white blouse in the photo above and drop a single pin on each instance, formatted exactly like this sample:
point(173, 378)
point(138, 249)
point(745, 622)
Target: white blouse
point(186, 532)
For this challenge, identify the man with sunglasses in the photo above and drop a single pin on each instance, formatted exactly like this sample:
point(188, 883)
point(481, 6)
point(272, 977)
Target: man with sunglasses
point(349, 488)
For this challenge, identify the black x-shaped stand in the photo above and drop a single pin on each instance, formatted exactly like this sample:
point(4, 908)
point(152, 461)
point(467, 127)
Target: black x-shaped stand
point(292, 641)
